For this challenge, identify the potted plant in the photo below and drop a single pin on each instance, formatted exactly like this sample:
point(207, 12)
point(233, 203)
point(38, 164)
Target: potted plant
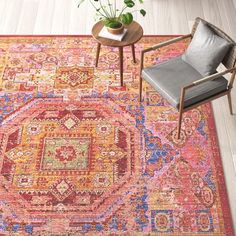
point(115, 19)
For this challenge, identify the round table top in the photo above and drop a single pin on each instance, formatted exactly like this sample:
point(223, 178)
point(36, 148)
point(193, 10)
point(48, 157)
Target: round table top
point(133, 35)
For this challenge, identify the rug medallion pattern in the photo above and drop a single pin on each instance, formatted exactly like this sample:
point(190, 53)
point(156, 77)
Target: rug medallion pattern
point(79, 155)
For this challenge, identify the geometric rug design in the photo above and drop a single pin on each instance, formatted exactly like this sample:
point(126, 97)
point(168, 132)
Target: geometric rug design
point(79, 155)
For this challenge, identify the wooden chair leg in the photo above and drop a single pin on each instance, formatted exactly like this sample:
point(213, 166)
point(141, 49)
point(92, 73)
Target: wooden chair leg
point(230, 102)
point(179, 124)
point(140, 88)
point(181, 110)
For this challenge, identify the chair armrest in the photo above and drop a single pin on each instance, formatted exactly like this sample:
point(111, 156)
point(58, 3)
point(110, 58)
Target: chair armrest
point(205, 79)
point(166, 43)
point(210, 77)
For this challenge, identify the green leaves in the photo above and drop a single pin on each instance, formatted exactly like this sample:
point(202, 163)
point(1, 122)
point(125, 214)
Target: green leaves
point(143, 12)
point(129, 3)
point(112, 23)
point(126, 18)
point(129, 17)
point(111, 15)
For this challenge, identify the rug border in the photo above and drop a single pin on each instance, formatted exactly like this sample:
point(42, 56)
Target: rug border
point(225, 203)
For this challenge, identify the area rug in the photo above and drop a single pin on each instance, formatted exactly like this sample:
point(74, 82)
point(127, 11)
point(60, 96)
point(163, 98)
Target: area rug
point(81, 156)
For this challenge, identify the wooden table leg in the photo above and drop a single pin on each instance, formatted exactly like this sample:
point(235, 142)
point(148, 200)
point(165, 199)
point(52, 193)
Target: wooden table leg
point(133, 53)
point(121, 65)
point(97, 55)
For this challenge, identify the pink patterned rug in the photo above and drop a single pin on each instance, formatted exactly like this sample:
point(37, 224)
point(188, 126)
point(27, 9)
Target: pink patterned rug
point(79, 155)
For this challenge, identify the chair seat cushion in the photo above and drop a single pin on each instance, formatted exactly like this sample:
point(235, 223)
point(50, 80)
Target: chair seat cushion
point(169, 77)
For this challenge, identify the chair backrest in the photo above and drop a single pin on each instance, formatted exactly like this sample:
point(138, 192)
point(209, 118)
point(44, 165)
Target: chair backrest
point(230, 58)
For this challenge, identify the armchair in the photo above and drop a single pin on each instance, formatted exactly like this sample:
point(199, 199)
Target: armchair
point(187, 85)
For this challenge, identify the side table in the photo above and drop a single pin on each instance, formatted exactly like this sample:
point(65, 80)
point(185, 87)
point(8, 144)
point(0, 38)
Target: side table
point(133, 35)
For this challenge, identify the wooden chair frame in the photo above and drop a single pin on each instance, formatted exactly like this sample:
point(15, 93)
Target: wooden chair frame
point(181, 108)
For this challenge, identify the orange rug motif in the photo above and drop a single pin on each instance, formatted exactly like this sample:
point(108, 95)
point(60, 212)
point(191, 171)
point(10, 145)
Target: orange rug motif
point(79, 155)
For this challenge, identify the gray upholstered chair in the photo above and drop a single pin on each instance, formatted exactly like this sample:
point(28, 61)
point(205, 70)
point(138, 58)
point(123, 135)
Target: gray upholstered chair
point(191, 79)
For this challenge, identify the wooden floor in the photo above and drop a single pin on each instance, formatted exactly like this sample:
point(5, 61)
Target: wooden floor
point(164, 17)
